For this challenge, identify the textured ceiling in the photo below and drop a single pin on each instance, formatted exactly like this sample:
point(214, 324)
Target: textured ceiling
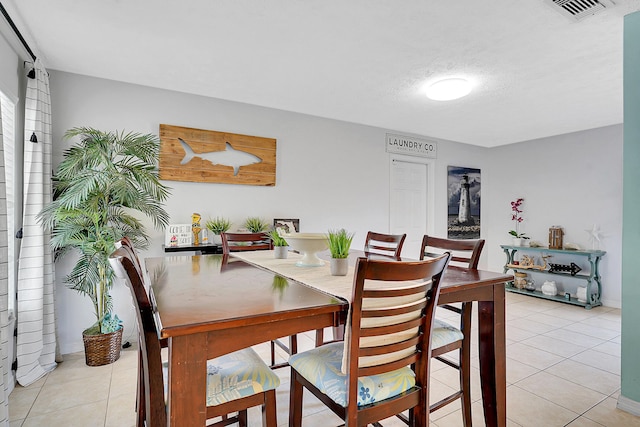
point(536, 73)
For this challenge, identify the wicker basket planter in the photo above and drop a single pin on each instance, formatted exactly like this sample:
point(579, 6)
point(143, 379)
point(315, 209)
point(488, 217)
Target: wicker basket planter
point(102, 349)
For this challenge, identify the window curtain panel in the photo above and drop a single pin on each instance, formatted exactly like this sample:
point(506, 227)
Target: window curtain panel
point(5, 335)
point(36, 343)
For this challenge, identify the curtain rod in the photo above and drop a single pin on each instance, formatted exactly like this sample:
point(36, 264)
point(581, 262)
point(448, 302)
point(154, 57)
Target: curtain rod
point(15, 30)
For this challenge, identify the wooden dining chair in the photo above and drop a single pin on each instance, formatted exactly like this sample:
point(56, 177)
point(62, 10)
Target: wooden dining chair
point(234, 242)
point(446, 338)
point(235, 381)
point(384, 244)
point(382, 367)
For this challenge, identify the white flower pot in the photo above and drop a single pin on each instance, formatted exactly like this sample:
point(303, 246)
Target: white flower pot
point(339, 266)
point(216, 239)
point(280, 252)
point(517, 241)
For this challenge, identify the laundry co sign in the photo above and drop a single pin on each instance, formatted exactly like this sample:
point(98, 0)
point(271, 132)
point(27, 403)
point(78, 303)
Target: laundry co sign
point(412, 146)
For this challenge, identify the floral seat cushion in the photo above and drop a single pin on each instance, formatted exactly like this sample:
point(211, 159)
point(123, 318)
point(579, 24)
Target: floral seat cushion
point(235, 375)
point(443, 334)
point(322, 367)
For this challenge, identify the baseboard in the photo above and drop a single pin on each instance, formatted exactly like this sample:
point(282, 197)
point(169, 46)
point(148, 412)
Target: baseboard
point(628, 405)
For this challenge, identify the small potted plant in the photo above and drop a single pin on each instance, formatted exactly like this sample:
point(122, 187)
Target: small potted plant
point(516, 215)
point(255, 224)
point(217, 226)
point(339, 244)
point(280, 245)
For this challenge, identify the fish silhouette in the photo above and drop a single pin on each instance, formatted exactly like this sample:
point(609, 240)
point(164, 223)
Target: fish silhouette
point(226, 157)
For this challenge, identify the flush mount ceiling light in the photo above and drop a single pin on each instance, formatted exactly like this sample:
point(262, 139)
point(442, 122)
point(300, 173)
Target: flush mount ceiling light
point(448, 89)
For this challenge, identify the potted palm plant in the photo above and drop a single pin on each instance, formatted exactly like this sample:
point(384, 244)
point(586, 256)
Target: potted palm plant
point(217, 226)
point(339, 245)
point(100, 183)
point(280, 245)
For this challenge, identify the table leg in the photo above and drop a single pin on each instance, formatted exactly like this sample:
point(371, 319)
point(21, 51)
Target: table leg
point(491, 328)
point(187, 380)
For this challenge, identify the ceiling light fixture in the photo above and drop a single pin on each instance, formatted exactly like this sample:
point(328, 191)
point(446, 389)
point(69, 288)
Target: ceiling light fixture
point(448, 89)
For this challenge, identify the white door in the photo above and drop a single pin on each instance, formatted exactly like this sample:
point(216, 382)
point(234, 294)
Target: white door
point(408, 203)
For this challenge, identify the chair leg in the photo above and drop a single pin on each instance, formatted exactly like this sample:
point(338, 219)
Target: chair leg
point(465, 364)
point(269, 413)
point(273, 353)
point(295, 401)
point(140, 397)
point(319, 337)
point(242, 418)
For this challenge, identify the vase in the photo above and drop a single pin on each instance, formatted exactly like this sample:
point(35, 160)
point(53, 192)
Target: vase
point(517, 241)
point(339, 266)
point(216, 239)
point(280, 252)
point(549, 288)
point(520, 280)
point(581, 294)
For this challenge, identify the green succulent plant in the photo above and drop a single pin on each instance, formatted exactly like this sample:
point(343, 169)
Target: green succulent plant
point(339, 243)
point(256, 224)
point(277, 239)
point(218, 225)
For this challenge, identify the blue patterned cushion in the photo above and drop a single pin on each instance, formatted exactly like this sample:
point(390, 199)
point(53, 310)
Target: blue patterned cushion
point(321, 367)
point(235, 375)
point(443, 334)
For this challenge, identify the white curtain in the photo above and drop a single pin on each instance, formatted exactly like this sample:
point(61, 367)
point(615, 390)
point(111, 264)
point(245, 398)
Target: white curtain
point(36, 344)
point(5, 335)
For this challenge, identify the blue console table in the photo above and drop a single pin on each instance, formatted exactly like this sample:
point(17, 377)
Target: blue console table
point(592, 277)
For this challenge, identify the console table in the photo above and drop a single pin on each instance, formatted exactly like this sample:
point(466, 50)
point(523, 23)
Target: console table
point(202, 249)
point(592, 277)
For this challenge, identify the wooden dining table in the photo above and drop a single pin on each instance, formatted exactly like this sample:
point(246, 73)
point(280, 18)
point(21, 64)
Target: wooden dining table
point(210, 305)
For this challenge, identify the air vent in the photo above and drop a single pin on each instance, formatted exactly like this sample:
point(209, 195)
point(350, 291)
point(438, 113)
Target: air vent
point(577, 10)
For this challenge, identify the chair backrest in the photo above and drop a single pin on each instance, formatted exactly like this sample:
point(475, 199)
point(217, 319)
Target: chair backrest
point(126, 242)
point(392, 312)
point(464, 253)
point(384, 244)
point(125, 265)
point(234, 242)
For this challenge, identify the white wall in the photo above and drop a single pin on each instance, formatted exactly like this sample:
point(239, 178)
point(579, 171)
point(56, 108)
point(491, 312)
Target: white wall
point(329, 173)
point(572, 180)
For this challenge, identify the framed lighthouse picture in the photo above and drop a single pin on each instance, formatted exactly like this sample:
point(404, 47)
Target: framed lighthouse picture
point(463, 219)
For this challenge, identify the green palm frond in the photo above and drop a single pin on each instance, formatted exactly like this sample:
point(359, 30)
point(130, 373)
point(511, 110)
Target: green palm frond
point(100, 184)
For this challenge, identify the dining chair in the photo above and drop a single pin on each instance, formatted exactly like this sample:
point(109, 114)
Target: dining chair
point(382, 367)
point(389, 245)
point(384, 244)
point(446, 338)
point(233, 242)
point(235, 382)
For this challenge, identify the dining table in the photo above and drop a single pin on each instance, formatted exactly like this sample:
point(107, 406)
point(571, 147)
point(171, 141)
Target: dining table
point(210, 305)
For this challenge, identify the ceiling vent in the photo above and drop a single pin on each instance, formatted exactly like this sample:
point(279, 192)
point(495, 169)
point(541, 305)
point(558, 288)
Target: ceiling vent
point(577, 10)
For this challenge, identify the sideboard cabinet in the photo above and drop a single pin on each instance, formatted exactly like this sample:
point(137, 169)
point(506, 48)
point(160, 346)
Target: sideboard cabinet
point(587, 260)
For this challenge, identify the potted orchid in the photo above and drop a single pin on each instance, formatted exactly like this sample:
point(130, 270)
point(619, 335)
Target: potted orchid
point(516, 215)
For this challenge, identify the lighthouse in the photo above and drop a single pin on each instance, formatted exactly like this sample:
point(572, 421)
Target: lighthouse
point(464, 210)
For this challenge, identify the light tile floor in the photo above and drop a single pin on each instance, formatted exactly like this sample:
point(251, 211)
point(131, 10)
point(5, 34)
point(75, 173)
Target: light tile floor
point(563, 369)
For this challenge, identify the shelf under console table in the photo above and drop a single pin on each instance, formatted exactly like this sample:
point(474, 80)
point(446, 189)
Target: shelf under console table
point(592, 277)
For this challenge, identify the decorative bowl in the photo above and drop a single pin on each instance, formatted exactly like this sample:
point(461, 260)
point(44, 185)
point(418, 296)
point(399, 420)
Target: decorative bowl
point(308, 244)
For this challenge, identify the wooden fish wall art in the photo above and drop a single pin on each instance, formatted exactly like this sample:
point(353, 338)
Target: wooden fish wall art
point(198, 155)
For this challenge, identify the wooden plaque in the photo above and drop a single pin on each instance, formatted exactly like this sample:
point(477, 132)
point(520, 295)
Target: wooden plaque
point(198, 155)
